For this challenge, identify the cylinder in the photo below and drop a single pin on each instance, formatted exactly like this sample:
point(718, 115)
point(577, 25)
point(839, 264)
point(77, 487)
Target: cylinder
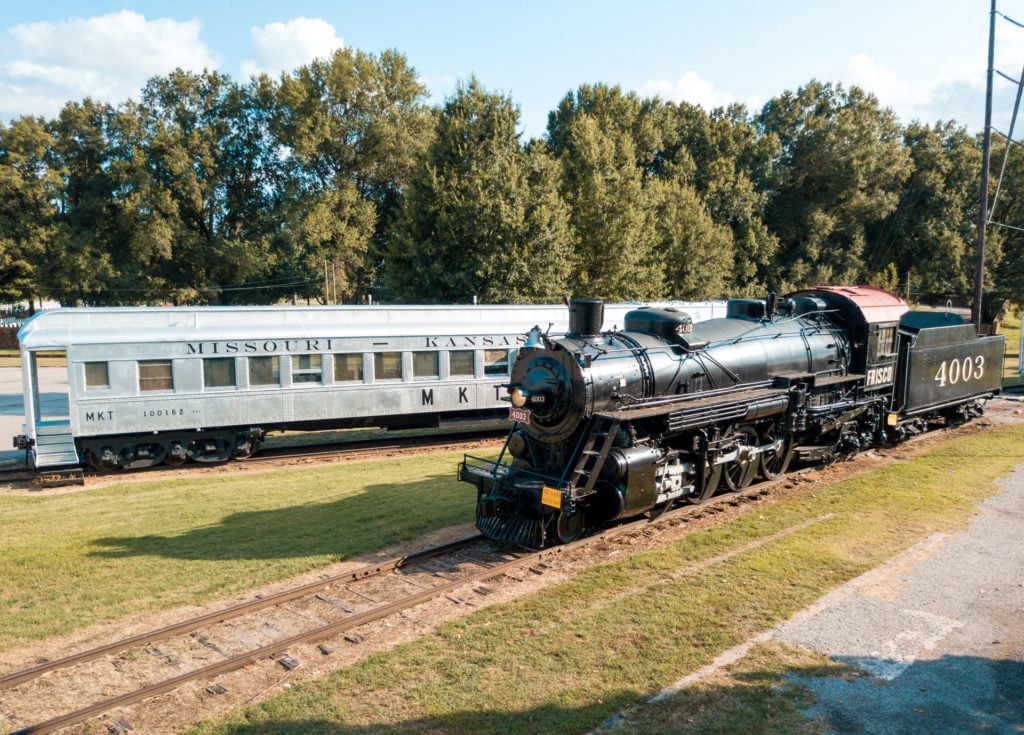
point(585, 317)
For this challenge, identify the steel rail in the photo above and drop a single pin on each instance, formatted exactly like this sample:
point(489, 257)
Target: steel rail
point(234, 611)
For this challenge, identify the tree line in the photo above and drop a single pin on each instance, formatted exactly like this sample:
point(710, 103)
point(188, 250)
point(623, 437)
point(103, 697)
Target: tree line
point(340, 182)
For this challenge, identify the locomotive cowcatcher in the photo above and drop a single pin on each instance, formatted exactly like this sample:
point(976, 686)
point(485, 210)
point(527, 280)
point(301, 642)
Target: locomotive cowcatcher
point(611, 425)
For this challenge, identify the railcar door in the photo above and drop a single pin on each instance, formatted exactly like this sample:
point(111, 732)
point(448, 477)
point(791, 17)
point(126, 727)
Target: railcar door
point(47, 407)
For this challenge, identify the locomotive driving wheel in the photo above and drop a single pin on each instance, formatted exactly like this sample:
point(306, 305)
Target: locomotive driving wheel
point(740, 471)
point(776, 462)
point(712, 478)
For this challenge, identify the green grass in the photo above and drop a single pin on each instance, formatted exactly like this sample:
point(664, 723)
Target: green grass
point(565, 659)
point(72, 560)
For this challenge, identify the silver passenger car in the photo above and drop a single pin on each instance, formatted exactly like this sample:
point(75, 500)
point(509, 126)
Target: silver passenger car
point(151, 385)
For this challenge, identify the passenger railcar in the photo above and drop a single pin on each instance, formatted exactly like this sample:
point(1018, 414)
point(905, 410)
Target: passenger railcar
point(610, 425)
point(167, 385)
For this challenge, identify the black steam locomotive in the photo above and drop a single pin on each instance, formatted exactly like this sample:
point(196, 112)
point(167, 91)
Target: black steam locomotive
point(611, 425)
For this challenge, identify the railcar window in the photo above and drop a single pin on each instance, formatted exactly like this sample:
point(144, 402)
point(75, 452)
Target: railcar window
point(307, 368)
point(495, 362)
point(219, 372)
point(96, 375)
point(387, 366)
point(265, 370)
point(155, 375)
point(461, 362)
point(348, 366)
point(425, 365)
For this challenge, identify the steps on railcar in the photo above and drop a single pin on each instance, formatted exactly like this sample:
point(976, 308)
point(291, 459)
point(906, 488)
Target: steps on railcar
point(55, 446)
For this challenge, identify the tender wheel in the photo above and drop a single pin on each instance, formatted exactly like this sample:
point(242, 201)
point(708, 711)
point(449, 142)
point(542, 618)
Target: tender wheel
point(776, 463)
point(740, 472)
point(569, 526)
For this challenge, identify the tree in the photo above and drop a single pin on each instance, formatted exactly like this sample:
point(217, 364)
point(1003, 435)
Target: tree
point(602, 139)
point(481, 218)
point(728, 161)
point(213, 190)
point(839, 171)
point(698, 253)
point(929, 238)
point(350, 128)
point(28, 189)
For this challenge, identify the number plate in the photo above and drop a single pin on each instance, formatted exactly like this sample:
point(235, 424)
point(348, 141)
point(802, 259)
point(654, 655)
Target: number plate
point(551, 497)
point(519, 415)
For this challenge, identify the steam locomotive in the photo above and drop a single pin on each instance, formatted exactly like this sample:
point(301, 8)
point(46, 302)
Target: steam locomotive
point(612, 425)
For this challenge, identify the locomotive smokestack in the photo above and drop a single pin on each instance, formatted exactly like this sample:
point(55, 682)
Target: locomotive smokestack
point(585, 317)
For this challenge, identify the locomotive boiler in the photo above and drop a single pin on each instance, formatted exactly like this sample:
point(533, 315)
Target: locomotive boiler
point(611, 425)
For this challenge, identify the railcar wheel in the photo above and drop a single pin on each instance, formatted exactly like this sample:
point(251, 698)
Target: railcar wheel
point(138, 456)
point(245, 448)
point(176, 454)
point(210, 449)
point(740, 472)
point(569, 526)
point(776, 463)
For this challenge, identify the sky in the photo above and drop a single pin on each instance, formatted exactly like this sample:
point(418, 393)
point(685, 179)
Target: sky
point(924, 59)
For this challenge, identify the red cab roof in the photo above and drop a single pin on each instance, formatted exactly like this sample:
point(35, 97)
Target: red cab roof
point(877, 305)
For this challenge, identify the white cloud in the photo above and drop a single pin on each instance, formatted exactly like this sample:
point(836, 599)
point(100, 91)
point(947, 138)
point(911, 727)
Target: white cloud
point(931, 93)
point(106, 57)
point(283, 47)
point(691, 87)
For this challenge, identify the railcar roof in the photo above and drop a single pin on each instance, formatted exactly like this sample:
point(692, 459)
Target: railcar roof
point(59, 328)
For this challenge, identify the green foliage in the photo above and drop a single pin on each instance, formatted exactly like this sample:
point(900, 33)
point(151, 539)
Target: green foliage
point(840, 169)
point(599, 135)
point(337, 180)
point(28, 187)
point(481, 217)
point(352, 127)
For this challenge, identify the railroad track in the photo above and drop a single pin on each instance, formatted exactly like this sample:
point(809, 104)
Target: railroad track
point(350, 600)
point(312, 452)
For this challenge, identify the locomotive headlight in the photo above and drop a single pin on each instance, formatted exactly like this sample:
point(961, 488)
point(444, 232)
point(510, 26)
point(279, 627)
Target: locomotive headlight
point(518, 397)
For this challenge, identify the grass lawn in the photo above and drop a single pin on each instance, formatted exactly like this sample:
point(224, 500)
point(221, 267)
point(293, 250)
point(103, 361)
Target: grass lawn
point(69, 561)
point(620, 631)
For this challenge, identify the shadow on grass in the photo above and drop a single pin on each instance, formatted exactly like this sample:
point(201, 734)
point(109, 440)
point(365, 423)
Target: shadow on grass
point(544, 719)
point(382, 515)
point(934, 697)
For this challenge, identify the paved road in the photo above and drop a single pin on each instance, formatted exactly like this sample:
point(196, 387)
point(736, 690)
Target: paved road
point(939, 628)
point(54, 401)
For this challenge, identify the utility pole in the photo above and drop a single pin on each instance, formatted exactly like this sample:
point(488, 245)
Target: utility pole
point(979, 270)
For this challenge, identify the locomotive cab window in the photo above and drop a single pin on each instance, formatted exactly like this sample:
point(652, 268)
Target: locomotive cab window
point(155, 375)
point(387, 366)
point(96, 375)
point(495, 362)
point(426, 365)
point(885, 341)
point(307, 368)
point(348, 367)
point(265, 370)
point(460, 363)
point(219, 372)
